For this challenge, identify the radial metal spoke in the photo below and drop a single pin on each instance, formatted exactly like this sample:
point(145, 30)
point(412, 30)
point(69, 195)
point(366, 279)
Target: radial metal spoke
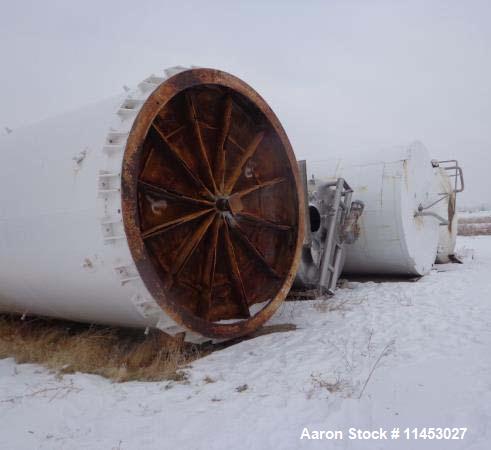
point(194, 119)
point(266, 184)
point(237, 170)
point(158, 229)
point(162, 192)
point(220, 161)
point(233, 141)
point(189, 244)
point(260, 221)
point(209, 268)
point(235, 227)
point(204, 124)
point(183, 163)
point(177, 130)
point(235, 272)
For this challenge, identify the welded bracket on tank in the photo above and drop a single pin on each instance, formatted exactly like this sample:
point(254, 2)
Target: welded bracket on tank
point(422, 213)
point(141, 299)
point(130, 108)
point(109, 188)
point(456, 172)
point(109, 182)
point(127, 273)
point(112, 230)
point(443, 196)
point(115, 142)
point(149, 84)
point(174, 70)
point(145, 305)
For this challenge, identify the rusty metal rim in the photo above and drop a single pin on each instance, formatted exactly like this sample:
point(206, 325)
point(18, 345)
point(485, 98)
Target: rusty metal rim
point(129, 192)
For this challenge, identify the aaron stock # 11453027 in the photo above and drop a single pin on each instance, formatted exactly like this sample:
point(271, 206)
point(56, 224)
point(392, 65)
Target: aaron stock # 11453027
point(353, 433)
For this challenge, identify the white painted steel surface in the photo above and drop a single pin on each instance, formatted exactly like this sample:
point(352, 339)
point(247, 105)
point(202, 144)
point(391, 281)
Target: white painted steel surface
point(63, 250)
point(392, 185)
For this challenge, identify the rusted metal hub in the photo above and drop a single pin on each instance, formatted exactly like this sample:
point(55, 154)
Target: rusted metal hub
point(222, 204)
point(212, 203)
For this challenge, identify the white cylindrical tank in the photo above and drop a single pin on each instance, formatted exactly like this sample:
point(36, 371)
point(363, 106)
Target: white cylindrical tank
point(394, 239)
point(89, 197)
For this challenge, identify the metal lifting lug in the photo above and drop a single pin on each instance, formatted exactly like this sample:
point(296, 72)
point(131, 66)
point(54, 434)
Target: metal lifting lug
point(422, 213)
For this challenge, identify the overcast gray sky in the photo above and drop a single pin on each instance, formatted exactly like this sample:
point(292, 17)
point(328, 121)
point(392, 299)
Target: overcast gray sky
point(341, 75)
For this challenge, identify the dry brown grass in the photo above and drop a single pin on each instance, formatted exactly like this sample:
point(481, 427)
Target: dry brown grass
point(330, 305)
point(476, 219)
point(115, 353)
point(332, 386)
point(473, 230)
point(474, 226)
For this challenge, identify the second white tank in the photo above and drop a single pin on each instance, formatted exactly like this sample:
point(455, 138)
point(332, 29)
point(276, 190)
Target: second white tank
point(397, 186)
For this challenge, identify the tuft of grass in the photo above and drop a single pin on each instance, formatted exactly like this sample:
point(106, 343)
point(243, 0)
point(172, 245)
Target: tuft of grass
point(474, 229)
point(115, 353)
point(332, 386)
point(330, 304)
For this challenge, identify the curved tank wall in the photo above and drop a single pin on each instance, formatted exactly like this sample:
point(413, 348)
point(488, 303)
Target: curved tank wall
point(54, 259)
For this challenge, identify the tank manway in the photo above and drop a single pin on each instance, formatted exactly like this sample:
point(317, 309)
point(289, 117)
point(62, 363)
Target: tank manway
point(177, 205)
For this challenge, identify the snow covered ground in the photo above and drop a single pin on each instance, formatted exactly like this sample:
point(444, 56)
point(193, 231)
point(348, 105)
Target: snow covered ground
point(426, 343)
point(474, 214)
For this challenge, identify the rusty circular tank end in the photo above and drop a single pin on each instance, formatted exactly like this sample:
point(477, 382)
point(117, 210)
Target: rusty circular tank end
point(212, 203)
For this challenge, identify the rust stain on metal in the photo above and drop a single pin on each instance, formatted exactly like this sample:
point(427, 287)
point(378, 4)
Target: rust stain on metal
point(451, 209)
point(350, 231)
point(212, 203)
